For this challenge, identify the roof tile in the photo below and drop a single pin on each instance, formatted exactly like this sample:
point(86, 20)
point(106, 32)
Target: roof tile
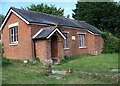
point(42, 18)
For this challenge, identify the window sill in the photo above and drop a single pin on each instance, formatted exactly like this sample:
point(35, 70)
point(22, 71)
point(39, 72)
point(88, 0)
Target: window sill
point(13, 44)
point(66, 48)
point(83, 47)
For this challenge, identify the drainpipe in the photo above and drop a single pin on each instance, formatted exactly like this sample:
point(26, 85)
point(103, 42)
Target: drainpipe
point(34, 50)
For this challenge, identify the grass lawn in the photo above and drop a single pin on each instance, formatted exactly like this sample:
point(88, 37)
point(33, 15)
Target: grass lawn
point(18, 72)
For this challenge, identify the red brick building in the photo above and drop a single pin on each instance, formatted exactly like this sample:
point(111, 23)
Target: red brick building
point(27, 35)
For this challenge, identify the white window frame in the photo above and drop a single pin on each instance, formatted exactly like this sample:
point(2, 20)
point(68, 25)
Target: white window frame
point(66, 42)
point(14, 35)
point(82, 40)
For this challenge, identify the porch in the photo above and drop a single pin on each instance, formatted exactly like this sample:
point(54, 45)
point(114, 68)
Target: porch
point(49, 44)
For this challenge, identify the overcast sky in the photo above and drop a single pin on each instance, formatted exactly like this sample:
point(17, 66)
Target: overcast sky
point(68, 5)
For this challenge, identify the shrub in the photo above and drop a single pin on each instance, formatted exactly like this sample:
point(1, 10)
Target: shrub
point(1, 49)
point(110, 43)
point(5, 61)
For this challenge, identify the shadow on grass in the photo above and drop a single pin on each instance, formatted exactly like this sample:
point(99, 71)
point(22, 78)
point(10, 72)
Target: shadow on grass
point(5, 61)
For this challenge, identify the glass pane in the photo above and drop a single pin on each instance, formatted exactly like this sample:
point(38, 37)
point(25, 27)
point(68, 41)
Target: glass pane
point(14, 37)
point(17, 37)
point(16, 30)
point(65, 41)
point(15, 34)
point(82, 40)
point(11, 38)
point(11, 31)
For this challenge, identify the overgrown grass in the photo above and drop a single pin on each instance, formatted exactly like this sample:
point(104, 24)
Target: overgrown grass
point(18, 72)
point(99, 63)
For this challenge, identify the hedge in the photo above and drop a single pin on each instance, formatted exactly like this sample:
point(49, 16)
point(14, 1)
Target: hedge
point(111, 43)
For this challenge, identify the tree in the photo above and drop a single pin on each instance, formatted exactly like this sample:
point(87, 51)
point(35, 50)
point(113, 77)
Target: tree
point(105, 15)
point(110, 43)
point(46, 9)
point(68, 16)
point(1, 19)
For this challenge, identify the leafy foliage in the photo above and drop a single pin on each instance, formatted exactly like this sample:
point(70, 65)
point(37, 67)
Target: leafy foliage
point(110, 43)
point(5, 61)
point(1, 19)
point(46, 9)
point(1, 48)
point(105, 15)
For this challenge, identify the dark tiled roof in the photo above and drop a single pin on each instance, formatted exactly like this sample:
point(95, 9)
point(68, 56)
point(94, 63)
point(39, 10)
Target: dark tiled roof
point(45, 33)
point(42, 18)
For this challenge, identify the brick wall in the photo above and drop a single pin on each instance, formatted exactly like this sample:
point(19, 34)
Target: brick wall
point(43, 48)
point(98, 44)
point(60, 46)
point(94, 43)
point(91, 43)
point(34, 30)
point(23, 49)
point(73, 45)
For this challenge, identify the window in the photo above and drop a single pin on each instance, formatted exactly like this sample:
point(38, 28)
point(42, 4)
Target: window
point(82, 40)
point(14, 35)
point(65, 41)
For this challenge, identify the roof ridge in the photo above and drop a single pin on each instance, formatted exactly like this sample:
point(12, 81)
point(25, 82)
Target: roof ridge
point(60, 20)
point(48, 27)
point(37, 12)
point(48, 14)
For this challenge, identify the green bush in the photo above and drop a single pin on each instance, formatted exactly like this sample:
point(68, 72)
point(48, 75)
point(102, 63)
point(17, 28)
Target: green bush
point(5, 61)
point(110, 43)
point(1, 48)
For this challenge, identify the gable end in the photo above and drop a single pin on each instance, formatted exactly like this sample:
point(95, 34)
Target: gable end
point(7, 16)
